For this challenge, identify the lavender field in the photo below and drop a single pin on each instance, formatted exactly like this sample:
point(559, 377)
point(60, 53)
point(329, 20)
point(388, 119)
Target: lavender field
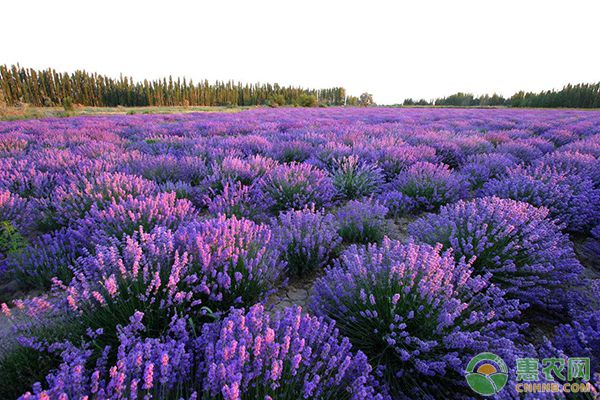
point(331, 253)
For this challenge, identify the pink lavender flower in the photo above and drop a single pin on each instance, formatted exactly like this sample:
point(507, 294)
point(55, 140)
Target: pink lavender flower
point(323, 363)
point(420, 315)
point(523, 250)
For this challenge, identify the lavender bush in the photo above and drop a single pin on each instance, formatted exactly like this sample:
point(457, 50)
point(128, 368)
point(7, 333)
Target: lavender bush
point(416, 313)
point(46, 258)
point(307, 239)
point(429, 185)
point(126, 217)
point(73, 200)
point(236, 199)
point(362, 221)
point(290, 355)
point(570, 197)
point(524, 251)
point(482, 168)
point(354, 179)
point(294, 186)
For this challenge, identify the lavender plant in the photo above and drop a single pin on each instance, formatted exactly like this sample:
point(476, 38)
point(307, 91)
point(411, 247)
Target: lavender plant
point(306, 239)
point(354, 179)
point(429, 185)
point(73, 200)
point(570, 197)
point(482, 168)
point(362, 221)
point(285, 357)
point(416, 313)
point(45, 259)
point(524, 251)
point(126, 217)
point(294, 186)
point(236, 199)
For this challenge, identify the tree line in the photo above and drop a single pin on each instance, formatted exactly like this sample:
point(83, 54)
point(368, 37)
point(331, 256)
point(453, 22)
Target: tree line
point(584, 95)
point(51, 88)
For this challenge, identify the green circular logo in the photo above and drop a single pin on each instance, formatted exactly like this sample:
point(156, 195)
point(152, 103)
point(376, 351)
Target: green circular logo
point(486, 374)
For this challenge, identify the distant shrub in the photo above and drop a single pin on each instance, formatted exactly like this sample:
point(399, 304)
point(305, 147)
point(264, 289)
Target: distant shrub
point(294, 186)
point(362, 221)
point(570, 197)
point(525, 252)
point(354, 179)
point(306, 239)
point(416, 313)
point(429, 185)
point(67, 104)
point(307, 100)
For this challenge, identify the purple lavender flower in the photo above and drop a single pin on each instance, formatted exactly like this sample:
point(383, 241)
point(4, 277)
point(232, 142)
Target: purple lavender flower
point(570, 197)
point(523, 250)
point(164, 168)
point(362, 221)
point(285, 357)
point(481, 168)
point(582, 163)
point(292, 150)
point(397, 203)
point(306, 239)
point(354, 179)
point(73, 200)
point(429, 185)
point(395, 159)
point(125, 217)
point(46, 258)
point(18, 211)
point(521, 150)
point(581, 337)
point(233, 258)
point(236, 199)
point(294, 186)
point(416, 313)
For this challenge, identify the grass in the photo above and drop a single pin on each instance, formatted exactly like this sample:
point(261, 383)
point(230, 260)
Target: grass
point(29, 112)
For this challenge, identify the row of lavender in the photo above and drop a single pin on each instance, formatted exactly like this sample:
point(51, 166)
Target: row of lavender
point(151, 235)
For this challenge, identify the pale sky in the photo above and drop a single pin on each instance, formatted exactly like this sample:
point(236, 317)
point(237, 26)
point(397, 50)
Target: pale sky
point(392, 49)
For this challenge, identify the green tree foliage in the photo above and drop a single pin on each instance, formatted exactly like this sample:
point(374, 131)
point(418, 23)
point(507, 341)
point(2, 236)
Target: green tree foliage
point(51, 88)
point(584, 95)
point(366, 100)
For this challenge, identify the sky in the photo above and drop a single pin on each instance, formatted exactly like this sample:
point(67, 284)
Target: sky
point(392, 49)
